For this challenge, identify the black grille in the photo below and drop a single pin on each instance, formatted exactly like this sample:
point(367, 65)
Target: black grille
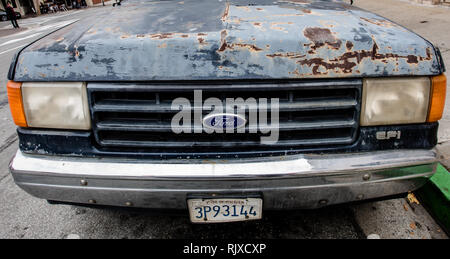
point(138, 117)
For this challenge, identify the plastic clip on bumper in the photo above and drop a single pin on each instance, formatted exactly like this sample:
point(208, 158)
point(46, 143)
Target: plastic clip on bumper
point(286, 182)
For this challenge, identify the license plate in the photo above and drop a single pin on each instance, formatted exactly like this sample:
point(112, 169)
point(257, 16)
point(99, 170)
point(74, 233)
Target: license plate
point(224, 210)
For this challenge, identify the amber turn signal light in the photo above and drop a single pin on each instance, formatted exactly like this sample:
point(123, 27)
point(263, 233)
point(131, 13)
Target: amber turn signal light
point(15, 103)
point(437, 97)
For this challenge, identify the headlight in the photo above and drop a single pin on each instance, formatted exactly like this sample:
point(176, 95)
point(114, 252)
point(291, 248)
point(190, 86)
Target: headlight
point(395, 101)
point(56, 105)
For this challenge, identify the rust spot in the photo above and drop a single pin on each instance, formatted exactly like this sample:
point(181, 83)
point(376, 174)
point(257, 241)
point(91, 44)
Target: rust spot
point(140, 36)
point(201, 41)
point(223, 41)
point(308, 11)
point(258, 26)
point(346, 62)
point(124, 36)
point(428, 54)
point(201, 34)
point(259, 9)
point(317, 63)
point(321, 37)
point(60, 39)
point(383, 23)
point(349, 45)
point(411, 59)
point(225, 13)
point(161, 36)
point(251, 47)
point(291, 55)
point(224, 45)
point(184, 35)
point(295, 72)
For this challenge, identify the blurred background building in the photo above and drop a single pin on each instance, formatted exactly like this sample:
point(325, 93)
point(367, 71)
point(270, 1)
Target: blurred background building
point(37, 7)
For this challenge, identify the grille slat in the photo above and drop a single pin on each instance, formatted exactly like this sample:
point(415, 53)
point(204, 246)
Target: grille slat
point(311, 114)
point(166, 127)
point(160, 144)
point(147, 107)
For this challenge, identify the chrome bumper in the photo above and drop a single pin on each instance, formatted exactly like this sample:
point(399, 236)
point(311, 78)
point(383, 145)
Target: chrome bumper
point(287, 182)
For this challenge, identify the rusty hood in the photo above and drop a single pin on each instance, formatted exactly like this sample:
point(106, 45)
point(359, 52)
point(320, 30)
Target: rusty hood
point(235, 39)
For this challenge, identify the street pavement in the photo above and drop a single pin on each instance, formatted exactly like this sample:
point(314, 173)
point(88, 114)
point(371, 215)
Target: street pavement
point(23, 216)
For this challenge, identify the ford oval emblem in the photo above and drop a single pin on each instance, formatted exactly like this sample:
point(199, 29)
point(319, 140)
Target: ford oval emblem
point(224, 121)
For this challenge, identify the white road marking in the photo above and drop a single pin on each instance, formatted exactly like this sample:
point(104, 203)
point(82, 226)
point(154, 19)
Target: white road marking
point(6, 51)
point(24, 38)
point(37, 31)
point(51, 26)
point(41, 20)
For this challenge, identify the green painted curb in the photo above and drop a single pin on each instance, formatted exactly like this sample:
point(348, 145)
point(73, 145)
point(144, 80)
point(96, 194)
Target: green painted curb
point(441, 179)
point(435, 196)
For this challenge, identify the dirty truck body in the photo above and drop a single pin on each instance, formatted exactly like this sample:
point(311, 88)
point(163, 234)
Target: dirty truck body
point(359, 100)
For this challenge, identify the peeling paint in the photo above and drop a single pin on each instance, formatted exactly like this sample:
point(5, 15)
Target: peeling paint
point(234, 39)
point(321, 37)
point(380, 22)
point(225, 13)
point(161, 35)
point(223, 40)
point(201, 41)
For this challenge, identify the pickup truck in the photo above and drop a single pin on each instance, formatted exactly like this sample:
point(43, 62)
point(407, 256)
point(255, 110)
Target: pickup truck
point(226, 108)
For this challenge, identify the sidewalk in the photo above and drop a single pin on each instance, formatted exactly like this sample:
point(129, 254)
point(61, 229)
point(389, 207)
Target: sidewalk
point(426, 3)
point(107, 2)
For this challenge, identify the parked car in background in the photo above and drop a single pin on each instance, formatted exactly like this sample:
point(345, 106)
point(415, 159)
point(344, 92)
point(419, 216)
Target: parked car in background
point(4, 17)
point(354, 102)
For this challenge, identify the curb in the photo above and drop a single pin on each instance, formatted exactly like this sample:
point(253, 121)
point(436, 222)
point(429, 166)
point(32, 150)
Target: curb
point(435, 196)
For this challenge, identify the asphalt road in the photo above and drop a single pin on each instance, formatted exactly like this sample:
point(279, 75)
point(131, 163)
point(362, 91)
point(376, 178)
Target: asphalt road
point(23, 216)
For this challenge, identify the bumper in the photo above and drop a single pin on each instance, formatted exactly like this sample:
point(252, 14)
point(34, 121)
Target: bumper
point(288, 182)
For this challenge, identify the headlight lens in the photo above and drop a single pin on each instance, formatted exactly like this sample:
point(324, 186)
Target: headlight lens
point(56, 105)
point(395, 101)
